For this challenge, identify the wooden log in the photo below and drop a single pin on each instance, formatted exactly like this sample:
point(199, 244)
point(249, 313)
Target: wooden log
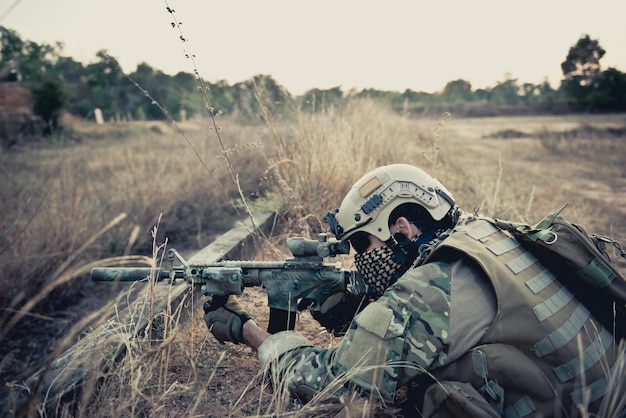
point(58, 385)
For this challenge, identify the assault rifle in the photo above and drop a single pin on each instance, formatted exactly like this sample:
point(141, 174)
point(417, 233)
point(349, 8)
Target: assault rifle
point(305, 281)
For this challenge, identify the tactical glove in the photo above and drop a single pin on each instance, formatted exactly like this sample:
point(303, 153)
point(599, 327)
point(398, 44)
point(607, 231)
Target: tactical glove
point(338, 311)
point(225, 318)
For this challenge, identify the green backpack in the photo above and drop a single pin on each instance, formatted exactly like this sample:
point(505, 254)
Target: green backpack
point(581, 261)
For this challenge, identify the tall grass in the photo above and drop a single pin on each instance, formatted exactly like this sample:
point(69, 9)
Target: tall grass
point(317, 157)
point(193, 179)
point(56, 198)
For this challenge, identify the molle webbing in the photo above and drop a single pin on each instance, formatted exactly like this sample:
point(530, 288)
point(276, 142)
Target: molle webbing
point(549, 333)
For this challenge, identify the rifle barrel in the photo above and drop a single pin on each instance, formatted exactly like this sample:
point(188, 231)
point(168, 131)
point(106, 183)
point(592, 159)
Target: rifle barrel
point(130, 274)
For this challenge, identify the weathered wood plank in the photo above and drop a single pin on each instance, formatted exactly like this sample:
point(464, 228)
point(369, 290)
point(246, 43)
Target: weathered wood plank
point(54, 387)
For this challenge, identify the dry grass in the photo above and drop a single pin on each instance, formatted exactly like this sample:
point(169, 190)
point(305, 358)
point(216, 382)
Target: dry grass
point(129, 188)
point(319, 156)
point(56, 198)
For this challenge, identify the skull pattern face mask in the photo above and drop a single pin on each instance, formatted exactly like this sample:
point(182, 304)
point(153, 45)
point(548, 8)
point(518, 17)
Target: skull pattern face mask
point(377, 267)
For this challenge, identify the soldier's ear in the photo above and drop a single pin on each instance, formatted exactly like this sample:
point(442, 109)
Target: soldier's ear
point(403, 226)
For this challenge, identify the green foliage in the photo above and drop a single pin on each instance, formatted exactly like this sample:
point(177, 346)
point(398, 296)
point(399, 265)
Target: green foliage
point(58, 82)
point(506, 92)
point(316, 100)
point(609, 93)
point(583, 60)
point(49, 99)
point(459, 91)
point(255, 100)
point(140, 114)
point(585, 84)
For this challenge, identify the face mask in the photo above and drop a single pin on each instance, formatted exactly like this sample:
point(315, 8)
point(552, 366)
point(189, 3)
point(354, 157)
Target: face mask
point(377, 267)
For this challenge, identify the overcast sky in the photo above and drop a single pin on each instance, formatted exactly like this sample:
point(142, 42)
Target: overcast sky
point(386, 45)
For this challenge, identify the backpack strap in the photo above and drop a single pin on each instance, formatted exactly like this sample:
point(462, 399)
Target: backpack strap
point(549, 218)
point(601, 242)
point(539, 231)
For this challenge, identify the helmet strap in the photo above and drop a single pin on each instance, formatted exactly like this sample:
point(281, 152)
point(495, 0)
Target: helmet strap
point(405, 251)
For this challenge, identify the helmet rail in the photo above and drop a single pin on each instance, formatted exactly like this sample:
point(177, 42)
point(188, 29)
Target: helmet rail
point(372, 199)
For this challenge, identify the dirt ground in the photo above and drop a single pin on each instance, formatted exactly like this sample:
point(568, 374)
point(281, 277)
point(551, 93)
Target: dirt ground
point(235, 385)
point(595, 190)
point(229, 377)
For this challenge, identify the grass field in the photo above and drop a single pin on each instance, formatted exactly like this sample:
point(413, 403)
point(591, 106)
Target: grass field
point(114, 190)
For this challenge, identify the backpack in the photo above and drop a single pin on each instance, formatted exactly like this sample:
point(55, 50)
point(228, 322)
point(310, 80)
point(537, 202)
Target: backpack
point(580, 261)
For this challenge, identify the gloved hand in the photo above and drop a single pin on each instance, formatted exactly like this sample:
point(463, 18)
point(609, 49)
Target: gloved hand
point(225, 317)
point(337, 312)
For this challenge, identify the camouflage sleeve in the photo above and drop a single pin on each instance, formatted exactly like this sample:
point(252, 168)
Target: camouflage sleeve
point(307, 369)
point(401, 335)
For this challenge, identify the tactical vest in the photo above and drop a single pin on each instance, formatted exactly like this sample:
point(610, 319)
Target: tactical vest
point(545, 353)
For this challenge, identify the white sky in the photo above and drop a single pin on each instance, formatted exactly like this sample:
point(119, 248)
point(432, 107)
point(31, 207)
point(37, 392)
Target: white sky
point(386, 45)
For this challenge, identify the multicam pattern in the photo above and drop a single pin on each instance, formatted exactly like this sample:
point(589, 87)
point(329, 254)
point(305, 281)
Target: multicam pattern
point(391, 341)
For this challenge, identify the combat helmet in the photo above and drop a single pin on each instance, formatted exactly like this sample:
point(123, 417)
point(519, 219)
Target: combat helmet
point(374, 196)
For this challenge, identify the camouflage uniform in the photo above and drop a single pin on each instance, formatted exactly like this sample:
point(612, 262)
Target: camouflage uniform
point(394, 339)
point(542, 354)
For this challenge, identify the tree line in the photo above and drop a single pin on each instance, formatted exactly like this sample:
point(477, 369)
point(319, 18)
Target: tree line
point(59, 83)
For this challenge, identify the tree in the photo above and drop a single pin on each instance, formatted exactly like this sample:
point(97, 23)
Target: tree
point(609, 91)
point(29, 61)
point(458, 91)
point(259, 97)
point(581, 69)
point(416, 97)
point(583, 60)
point(11, 46)
point(104, 79)
point(49, 99)
point(505, 92)
point(316, 100)
point(35, 65)
point(161, 89)
point(185, 94)
point(221, 96)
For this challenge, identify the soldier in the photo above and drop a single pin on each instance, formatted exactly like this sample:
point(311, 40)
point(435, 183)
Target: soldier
point(462, 322)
